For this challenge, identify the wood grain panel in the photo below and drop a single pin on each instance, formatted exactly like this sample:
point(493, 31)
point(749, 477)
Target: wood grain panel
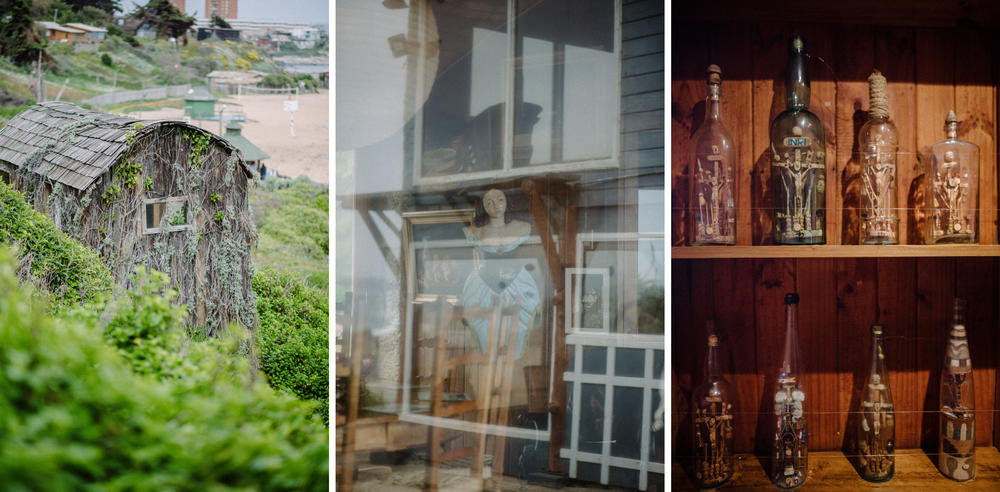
point(731, 50)
point(855, 56)
point(816, 283)
point(935, 55)
point(733, 297)
point(682, 360)
point(822, 48)
point(894, 56)
point(772, 278)
point(935, 294)
point(896, 281)
point(687, 112)
point(972, 275)
point(975, 106)
point(770, 47)
point(856, 311)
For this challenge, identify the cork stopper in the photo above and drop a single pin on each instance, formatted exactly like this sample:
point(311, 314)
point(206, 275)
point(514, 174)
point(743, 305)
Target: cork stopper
point(714, 74)
point(797, 45)
point(713, 340)
point(951, 124)
point(791, 298)
point(878, 99)
point(876, 329)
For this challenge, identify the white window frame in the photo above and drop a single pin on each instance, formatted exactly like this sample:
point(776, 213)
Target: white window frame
point(508, 170)
point(158, 230)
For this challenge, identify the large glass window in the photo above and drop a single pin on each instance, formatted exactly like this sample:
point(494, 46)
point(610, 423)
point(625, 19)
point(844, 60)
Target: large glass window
point(556, 62)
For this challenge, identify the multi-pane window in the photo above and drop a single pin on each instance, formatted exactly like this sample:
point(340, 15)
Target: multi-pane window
point(556, 62)
point(165, 215)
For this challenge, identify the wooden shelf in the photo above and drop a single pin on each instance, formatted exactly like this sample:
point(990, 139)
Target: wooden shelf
point(835, 251)
point(829, 470)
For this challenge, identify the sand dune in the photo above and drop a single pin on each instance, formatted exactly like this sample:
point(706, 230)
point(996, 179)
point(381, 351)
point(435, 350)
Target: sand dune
point(267, 126)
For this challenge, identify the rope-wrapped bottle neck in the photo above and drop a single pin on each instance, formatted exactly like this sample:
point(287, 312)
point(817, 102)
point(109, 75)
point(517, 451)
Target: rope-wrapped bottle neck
point(878, 99)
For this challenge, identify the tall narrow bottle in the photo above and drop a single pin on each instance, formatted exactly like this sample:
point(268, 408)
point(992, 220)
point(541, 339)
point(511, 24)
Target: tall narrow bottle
point(877, 432)
point(713, 173)
point(713, 421)
point(791, 457)
point(953, 181)
point(798, 160)
point(956, 448)
point(878, 142)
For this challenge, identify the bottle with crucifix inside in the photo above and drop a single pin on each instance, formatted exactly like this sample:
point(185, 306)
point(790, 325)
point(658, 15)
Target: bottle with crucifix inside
point(791, 458)
point(798, 160)
point(713, 173)
point(877, 428)
point(953, 182)
point(878, 143)
point(713, 421)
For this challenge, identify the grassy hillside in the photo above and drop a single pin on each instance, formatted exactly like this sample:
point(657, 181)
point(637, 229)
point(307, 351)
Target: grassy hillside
point(292, 218)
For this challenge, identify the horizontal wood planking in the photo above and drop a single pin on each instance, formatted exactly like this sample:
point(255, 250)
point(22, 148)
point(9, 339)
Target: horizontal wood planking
point(839, 300)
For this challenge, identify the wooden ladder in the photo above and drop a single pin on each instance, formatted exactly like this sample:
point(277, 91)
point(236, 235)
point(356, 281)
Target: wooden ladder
point(493, 387)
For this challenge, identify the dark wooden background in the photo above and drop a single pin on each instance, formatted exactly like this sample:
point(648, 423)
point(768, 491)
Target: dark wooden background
point(930, 70)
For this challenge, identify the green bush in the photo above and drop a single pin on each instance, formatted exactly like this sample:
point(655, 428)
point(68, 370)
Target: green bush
point(76, 417)
point(59, 264)
point(106, 60)
point(277, 80)
point(293, 223)
point(293, 341)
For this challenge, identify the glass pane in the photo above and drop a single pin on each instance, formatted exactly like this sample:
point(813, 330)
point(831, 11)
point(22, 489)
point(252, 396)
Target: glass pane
point(595, 360)
point(626, 433)
point(463, 115)
point(566, 88)
point(656, 439)
point(630, 362)
point(591, 417)
point(657, 364)
point(623, 477)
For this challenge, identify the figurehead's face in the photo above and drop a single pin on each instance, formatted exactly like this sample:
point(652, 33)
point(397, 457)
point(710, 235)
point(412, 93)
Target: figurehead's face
point(495, 204)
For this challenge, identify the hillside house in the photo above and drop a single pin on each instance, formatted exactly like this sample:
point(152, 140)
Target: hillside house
point(91, 34)
point(57, 33)
point(161, 194)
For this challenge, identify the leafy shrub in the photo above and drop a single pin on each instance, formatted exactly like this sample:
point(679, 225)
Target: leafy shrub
point(277, 80)
point(106, 60)
point(77, 418)
point(59, 264)
point(292, 218)
point(293, 341)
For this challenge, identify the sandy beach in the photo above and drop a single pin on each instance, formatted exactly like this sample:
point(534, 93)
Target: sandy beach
point(267, 126)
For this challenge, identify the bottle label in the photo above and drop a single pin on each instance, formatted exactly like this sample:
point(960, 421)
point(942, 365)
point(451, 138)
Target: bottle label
point(796, 141)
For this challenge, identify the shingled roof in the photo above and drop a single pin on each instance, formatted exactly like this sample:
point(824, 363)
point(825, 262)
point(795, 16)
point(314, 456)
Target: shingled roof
point(77, 146)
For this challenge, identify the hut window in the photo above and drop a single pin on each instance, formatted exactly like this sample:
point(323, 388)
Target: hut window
point(4, 177)
point(166, 215)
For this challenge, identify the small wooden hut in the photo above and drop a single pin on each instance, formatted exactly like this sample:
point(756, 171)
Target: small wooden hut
point(163, 194)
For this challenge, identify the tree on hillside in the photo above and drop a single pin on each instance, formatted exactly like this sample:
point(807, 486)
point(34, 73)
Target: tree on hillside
point(18, 39)
point(220, 22)
point(165, 18)
point(109, 6)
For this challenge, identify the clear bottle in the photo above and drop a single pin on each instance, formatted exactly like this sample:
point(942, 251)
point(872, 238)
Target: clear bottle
point(957, 443)
point(953, 182)
point(713, 173)
point(791, 456)
point(713, 421)
point(879, 143)
point(798, 160)
point(877, 428)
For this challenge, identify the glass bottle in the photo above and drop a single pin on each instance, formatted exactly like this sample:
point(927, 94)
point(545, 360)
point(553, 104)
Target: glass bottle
point(713, 421)
point(713, 174)
point(791, 458)
point(877, 432)
point(798, 160)
point(879, 143)
point(953, 180)
point(956, 448)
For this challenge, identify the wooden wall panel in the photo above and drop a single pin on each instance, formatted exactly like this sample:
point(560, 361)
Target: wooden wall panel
point(935, 293)
point(935, 97)
point(815, 280)
point(975, 106)
point(773, 278)
point(687, 112)
point(733, 300)
point(971, 276)
point(855, 57)
point(856, 309)
point(770, 45)
point(823, 45)
point(682, 360)
point(897, 300)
